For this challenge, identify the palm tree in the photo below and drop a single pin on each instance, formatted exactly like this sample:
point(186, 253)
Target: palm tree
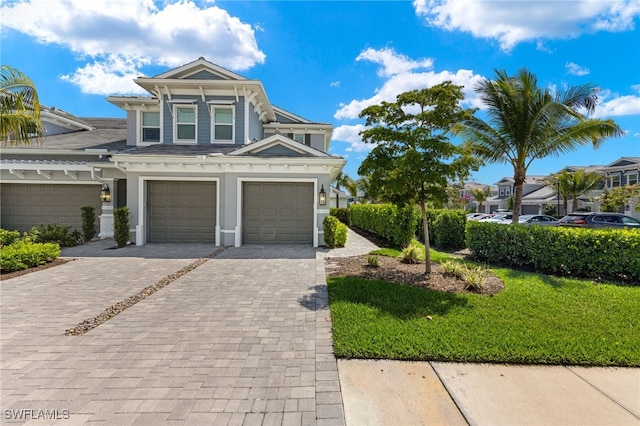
point(527, 122)
point(578, 183)
point(480, 195)
point(364, 187)
point(560, 182)
point(340, 181)
point(19, 108)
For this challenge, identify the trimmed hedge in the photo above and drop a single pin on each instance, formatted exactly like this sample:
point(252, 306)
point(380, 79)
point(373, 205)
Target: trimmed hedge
point(392, 223)
point(446, 228)
point(335, 232)
point(342, 214)
point(604, 254)
point(121, 226)
point(26, 254)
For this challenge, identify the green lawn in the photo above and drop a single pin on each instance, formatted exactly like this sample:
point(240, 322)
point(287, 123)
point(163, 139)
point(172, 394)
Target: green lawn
point(537, 319)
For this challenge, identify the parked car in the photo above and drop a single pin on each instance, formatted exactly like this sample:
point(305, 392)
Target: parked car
point(474, 216)
point(501, 218)
point(599, 220)
point(538, 219)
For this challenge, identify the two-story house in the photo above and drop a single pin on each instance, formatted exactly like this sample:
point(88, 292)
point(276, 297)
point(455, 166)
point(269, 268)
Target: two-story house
point(205, 157)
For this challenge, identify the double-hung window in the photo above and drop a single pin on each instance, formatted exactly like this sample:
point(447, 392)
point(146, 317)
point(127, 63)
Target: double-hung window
point(632, 179)
point(185, 123)
point(615, 181)
point(150, 127)
point(222, 124)
point(299, 137)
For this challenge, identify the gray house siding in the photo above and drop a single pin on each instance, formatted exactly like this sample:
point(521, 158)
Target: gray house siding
point(203, 75)
point(282, 119)
point(317, 142)
point(51, 129)
point(278, 151)
point(204, 117)
point(256, 131)
point(132, 126)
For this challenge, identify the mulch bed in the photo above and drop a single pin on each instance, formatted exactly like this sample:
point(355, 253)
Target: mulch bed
point(392, 269)
point(47, 265)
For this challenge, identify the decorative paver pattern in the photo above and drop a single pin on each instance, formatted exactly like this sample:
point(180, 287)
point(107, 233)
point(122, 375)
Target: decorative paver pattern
point(244, 338)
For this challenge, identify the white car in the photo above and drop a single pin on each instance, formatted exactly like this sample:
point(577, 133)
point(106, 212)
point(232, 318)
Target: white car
point(501, 218)
point(538, 219)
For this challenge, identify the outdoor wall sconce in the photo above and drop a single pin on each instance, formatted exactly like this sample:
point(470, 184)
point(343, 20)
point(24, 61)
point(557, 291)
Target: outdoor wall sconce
point(105, 193)
point(322, 197)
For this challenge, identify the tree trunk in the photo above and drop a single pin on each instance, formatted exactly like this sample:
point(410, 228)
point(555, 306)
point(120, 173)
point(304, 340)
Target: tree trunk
point(518, 179)
point(565, 204)
point(575, 204)
point(425, 225)
point(338, 199)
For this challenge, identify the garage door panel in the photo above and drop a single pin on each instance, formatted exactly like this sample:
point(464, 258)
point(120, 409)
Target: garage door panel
point(28, 205)
point(181, 211)
point(277, 212)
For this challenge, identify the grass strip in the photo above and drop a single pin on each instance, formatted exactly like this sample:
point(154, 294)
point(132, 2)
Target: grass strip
point(537, 319)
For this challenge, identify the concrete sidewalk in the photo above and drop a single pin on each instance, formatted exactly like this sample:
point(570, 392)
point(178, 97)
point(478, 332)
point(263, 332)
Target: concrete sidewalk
point(380, 392)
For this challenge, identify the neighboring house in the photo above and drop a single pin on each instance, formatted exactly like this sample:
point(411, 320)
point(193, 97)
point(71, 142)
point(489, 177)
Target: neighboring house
point(466, 192)
point(204, 158)
point(536, 195)
point(343, 198)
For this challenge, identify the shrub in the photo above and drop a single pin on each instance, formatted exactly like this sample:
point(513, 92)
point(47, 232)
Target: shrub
point(342, 214)
point(446, 228)
point(121, 226)
point(335, 232)
point(453, 268)
point(372, 260)
point(592, 253)
point(55, 233)
point(473, 278)
point(26, 254)
point(387, 221)
point(8, 237)
point(410, 254)
point(89, 227)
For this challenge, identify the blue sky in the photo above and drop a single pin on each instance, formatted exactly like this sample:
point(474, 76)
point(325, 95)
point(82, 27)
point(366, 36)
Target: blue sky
point(327, 60)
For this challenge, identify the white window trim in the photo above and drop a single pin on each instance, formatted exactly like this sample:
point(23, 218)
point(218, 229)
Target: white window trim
point(501, 192)
point(632, 174)
point(139, 140)
point(619, 181)
point(175, 124)
point(301, 134)
point(212, 112)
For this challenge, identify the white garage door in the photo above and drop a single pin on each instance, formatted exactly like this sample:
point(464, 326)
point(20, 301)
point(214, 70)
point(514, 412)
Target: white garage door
point(28, 205)
point(277, 213)
point(181, 212)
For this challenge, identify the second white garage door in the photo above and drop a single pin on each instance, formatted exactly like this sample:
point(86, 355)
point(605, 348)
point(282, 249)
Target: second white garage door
point(277, 213)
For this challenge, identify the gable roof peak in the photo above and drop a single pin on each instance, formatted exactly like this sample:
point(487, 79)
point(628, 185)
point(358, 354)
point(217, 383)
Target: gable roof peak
point(200, 64)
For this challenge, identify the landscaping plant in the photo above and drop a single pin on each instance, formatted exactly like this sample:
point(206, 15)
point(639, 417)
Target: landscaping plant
point(88, 222)
point(121, 226)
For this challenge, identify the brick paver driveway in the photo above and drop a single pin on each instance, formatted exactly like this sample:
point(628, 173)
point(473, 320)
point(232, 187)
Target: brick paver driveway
point(242, 339)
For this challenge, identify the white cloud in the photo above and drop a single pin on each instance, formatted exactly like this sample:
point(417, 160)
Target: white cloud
point(392, 62)
point(622, 105)
point(575, 69)
point(512, 22)
point(351, 135)
point(402, 77)
point(120, 36)
point(112, 75)
point(334, 84)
